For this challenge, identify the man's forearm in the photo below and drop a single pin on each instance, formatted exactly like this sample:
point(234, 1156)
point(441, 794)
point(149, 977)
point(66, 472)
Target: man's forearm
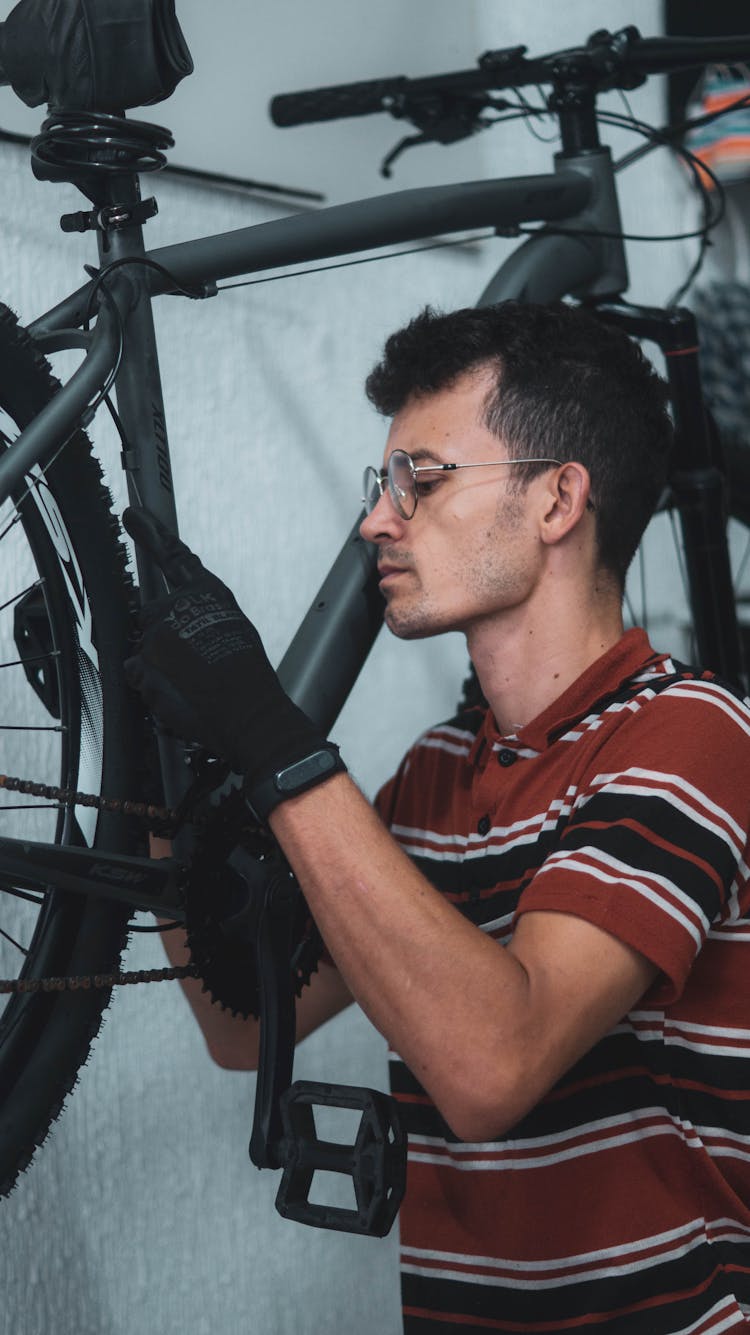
point(431, 982)
point(486, 1029)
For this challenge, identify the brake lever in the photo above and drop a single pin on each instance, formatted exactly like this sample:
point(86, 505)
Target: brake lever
point(409, 141)
point(440, 118)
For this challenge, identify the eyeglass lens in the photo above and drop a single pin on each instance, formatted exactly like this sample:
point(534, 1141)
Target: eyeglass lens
point(372, 489)
point(401, 488)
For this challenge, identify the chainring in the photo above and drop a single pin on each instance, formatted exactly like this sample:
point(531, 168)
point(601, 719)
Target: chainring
point(224, 894)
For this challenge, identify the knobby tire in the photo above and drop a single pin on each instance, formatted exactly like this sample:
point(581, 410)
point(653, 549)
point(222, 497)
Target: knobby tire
point(71, 537)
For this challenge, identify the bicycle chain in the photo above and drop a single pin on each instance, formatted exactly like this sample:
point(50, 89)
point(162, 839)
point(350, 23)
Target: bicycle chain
point(68, 797)
point(113, 805)
point(84, 982)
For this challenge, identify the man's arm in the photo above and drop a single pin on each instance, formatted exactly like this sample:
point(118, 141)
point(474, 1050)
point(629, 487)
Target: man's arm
point(486, 1030)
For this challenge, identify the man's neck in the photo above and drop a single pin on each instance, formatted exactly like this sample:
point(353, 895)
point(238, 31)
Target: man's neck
point(526, 662)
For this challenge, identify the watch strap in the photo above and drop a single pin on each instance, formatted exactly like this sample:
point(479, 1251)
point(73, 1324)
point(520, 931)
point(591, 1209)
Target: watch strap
point(296, 778)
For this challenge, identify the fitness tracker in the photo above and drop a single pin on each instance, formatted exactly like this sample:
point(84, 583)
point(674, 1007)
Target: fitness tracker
point(295, 779)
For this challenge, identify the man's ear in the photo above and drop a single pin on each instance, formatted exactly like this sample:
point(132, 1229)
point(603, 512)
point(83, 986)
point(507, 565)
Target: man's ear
point(565, 501)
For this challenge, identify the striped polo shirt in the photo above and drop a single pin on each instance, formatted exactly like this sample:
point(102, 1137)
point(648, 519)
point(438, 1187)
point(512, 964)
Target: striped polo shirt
point(621, 1203)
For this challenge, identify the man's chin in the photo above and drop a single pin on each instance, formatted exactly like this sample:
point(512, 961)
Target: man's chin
point(411, 627)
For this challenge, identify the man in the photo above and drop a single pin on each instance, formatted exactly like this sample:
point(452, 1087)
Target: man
point(551, 936)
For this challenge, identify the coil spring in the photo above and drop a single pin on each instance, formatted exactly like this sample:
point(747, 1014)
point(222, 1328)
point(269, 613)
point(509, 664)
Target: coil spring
point(74, 143)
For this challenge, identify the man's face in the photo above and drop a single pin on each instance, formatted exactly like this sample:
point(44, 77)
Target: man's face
point(468, 552)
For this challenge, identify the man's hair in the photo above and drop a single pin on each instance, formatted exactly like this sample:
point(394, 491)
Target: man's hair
point(567, 387)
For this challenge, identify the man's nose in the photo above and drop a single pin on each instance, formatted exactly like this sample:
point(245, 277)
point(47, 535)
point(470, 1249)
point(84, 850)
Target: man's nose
point(383, 521)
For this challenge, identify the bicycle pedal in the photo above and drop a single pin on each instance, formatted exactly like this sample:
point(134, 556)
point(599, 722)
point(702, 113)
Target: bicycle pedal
point(375, 1161)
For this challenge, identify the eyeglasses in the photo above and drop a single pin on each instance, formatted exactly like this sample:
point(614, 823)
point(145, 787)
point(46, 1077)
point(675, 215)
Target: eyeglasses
point(401, 477)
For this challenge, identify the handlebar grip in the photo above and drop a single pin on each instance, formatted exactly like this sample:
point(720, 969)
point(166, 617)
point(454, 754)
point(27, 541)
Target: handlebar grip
point(665, 55)
point(336, 102)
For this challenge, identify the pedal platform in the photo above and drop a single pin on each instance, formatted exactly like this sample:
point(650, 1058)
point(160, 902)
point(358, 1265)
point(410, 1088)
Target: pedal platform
point(375, 1161)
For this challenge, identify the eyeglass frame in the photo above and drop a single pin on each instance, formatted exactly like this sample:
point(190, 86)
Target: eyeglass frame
point(382, 477)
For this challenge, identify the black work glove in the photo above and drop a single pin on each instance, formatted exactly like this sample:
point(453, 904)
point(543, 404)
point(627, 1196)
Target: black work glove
point(203, 672)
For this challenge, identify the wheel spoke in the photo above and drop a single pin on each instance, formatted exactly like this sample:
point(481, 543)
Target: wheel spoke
point(32, 728)
point(17, 944)
point(10, 525)
point(33, 658)
point(31, 806)
point(37, 584)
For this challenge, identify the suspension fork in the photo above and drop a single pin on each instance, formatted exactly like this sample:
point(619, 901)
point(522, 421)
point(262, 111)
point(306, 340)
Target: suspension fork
point(697, 484)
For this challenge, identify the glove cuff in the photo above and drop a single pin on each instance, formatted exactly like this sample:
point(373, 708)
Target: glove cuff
point(312, 769)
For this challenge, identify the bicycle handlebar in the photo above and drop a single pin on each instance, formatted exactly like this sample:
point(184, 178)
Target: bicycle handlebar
point(620, 60)
point(344, 99)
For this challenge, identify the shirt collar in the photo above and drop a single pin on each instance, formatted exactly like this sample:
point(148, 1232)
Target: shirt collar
point(604, 677)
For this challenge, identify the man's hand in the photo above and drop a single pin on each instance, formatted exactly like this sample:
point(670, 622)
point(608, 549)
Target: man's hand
point(202, 669)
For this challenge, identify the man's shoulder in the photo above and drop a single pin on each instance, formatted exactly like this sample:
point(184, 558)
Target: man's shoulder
point(692, 689)
point(667, 686)
point(685, 723)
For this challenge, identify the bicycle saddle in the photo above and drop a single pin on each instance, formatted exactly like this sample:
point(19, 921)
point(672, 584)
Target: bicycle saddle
point(93, 55)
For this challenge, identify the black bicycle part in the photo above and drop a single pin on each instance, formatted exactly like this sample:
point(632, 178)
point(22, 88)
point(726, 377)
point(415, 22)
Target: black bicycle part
point(375, 1161)
point(108, 54)
point(608, 60)
point(284, 1133)
point(697, 486)
point(736, 458)
point(336, 634)
point(131, 883)
point(86, 595)
point(109, 218)
point(224, 897)
point(84, 147)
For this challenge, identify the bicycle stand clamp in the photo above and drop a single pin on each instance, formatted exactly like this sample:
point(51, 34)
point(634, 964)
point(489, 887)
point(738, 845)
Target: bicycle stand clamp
point(109, 217)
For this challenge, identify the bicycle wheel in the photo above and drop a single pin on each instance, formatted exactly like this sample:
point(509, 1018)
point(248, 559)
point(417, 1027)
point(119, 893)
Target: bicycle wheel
point(66, 719)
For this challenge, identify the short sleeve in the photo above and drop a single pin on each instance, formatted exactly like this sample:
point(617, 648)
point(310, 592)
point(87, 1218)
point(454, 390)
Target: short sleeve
point(655, 847)
point(387, 797)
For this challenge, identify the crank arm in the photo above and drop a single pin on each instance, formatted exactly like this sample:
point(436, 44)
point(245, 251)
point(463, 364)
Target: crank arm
point(142, 883)
point(277, 1016)
point(284, 1132)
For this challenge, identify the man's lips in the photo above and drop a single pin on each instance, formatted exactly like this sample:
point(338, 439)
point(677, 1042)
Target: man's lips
point(388, 571)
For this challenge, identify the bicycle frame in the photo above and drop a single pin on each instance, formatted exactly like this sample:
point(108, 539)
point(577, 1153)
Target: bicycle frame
point(322, 663)
point(308, 672)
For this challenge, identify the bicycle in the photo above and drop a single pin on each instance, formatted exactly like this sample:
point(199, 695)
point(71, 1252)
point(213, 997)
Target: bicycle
point(71, 617)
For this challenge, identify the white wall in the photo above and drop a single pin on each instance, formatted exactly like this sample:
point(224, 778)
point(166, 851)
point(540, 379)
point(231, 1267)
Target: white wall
point(142, 1209)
